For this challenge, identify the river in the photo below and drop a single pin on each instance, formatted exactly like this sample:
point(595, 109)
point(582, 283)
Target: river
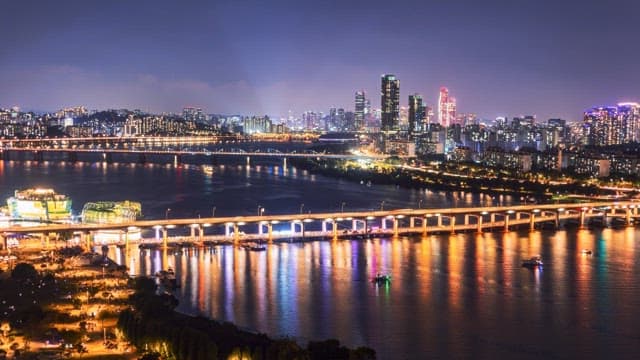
point(451, 296)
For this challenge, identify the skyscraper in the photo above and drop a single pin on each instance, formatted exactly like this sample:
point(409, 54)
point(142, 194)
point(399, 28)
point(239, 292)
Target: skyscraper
point(360, 109)
point(446, 108)
point(612, 125)
point(390, 103)
point(417, 113)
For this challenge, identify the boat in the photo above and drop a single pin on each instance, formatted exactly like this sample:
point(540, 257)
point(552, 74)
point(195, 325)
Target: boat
point(257, 247)
point(381, 279)
point(533, 262)
point(586, 252)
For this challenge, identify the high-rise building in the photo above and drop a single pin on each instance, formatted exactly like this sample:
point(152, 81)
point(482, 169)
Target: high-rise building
point(612, 125)
point(417, 113)
point(446, 108)
point(390, 101)
point(360, 110)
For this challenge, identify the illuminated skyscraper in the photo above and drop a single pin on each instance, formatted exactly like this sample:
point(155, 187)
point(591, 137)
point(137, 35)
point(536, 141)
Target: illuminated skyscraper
point(612, 125)
point(390, 103)
point(446, 108)
point(417, 113)
point(360, 110)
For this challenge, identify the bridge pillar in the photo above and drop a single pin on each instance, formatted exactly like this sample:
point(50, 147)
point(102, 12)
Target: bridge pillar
point(424, 226)
point(165, 238)
point(236, 234)
point(395, 227)
point(582, 216)
point(628, 217)
point(506, 222)
point(412, 222)
point(126, 241)
point(335, 230)
point(284, 163)
point(466, 219)
point(201, 234)
point(324, 226)
point(532, 222)
point(383, 223)
point(354, 224)
point(270, 232)
point(557, 220)
point(452, 220)
point(479, 230)
point(439, 220)
point(193, 231)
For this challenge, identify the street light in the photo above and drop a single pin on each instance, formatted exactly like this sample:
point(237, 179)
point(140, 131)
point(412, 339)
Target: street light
point(382, 206)
point(301, 207)
point(342, 207)
point(213, 212)
point(420, 204)
point(261, 211)
point(166, 213)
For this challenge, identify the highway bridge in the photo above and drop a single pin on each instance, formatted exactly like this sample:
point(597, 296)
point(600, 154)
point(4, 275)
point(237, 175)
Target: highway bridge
point(334, 225)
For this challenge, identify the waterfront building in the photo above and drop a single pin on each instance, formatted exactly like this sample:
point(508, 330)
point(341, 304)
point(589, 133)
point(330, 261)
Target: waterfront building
point(39, 204)
point(110, 212)
point(390, 103)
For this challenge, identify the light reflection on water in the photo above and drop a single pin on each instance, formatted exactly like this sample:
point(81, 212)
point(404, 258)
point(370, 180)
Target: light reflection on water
point(451, 296)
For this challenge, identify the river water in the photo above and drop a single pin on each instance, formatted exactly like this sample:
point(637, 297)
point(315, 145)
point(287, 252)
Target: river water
point(451, 296)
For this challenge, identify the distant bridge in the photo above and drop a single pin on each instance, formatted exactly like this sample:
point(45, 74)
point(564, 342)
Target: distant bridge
point(355, 224)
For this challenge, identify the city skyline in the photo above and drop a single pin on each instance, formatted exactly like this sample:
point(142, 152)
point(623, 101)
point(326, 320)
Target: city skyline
point(498, 59)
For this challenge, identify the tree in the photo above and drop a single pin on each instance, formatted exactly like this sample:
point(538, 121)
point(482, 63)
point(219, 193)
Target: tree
point(24, 272)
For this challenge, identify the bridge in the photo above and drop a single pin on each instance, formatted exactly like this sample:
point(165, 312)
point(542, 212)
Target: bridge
point(142, 148)
point(354, 224)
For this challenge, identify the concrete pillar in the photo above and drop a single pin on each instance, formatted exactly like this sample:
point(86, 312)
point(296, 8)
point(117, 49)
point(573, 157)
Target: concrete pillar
point(335, 230)
point(424, 226)
point(506, 222)
point(492, 218)
point(324, 226)
point(236, 234)
point(518, 215)
point(354, 225)
point(466, 219)
point(452, 220)
point(557, 220)
point(293, 227)
point(270, 231)
point(201, 233)
point(628, 217)
point(532, 222)
point(384, 223)
point(582, 216)
point(412, 222)
point(395, 227)
point(479, 230)
point(439, 221)
point(157, 234)
point(260, 228)
point(165, 238)
point(193, 232)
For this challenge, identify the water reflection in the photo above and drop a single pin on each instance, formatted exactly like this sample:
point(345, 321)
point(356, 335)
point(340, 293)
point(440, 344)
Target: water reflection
point(466, 293)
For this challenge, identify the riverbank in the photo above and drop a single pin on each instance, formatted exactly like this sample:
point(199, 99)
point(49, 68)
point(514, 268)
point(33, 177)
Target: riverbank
point(408, 177)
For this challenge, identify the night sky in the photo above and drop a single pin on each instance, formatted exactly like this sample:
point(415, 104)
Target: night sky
point(498, 57)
